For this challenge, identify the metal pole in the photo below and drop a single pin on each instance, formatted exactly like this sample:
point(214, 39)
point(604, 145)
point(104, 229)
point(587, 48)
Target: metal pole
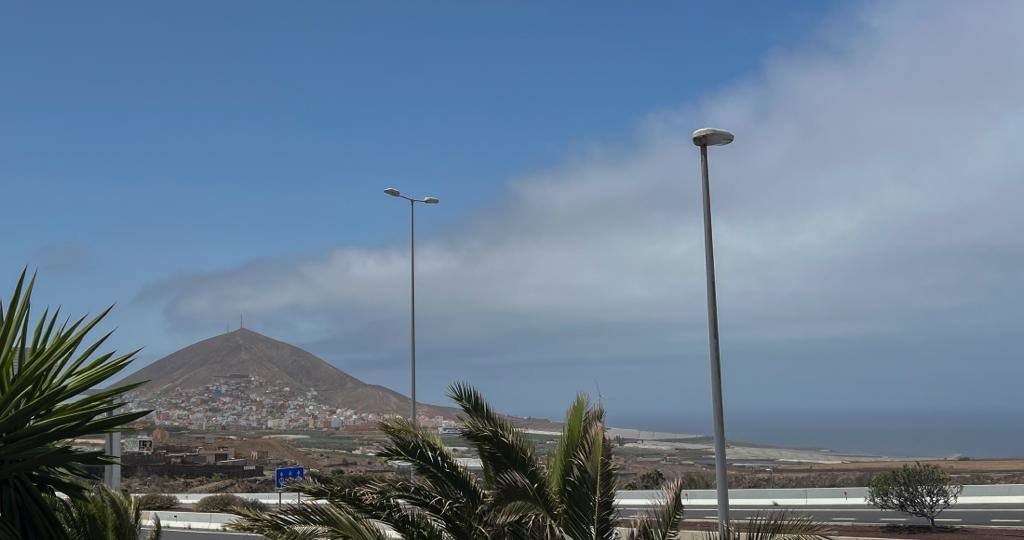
point(112, 448)
point(721, 476)
point(112, 472)
point(412, 300)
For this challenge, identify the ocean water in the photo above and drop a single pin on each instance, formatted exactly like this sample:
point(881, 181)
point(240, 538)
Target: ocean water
point(978, 435)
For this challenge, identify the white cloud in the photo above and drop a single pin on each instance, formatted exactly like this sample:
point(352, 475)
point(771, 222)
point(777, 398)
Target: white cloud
point(873, 189)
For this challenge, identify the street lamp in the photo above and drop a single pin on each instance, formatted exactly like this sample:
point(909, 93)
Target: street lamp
point(704, 138)
point(412, 282)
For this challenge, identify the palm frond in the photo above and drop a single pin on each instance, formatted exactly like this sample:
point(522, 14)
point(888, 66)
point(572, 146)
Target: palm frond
point(100, 512)
point(572, 432)
point(158, 530)
point(308, 522)
point(44, 371)
point(433, 463)
point(502, 448)
point(385, 501)
point(663, 523)
point(589, 509)
point(378, 502)
point(778, 525)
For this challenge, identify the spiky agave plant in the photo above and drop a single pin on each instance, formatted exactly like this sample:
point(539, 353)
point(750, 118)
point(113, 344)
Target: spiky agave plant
point(45, 369)
point(778, 525)
point(571, 497)
point(103, 513)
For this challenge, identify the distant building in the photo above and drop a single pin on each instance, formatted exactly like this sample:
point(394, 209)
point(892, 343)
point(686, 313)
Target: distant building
point(140, 444)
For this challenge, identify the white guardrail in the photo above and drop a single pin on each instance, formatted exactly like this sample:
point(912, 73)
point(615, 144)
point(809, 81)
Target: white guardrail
point(994, 494)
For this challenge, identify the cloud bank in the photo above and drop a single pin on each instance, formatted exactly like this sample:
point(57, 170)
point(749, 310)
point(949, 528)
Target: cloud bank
point(868, 209)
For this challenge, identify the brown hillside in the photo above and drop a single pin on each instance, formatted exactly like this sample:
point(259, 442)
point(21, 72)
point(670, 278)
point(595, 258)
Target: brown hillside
point(246, 352)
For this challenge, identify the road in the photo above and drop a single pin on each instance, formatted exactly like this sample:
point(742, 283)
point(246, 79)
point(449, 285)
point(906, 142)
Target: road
point(1011, 515)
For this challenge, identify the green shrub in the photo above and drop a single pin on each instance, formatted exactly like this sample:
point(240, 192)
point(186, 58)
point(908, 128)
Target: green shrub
point(918, 490)
point(226, 502)
point(157, 501)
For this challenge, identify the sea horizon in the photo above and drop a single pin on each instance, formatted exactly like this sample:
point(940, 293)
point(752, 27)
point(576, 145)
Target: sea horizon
point(902, 435)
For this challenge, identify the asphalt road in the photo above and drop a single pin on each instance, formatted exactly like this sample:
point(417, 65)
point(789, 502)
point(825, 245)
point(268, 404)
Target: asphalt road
point(1007, 515)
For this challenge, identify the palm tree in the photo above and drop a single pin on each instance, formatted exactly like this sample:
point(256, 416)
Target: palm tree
point(779, 525)
point(103, 513)
point(569, 497)
point(44, 370)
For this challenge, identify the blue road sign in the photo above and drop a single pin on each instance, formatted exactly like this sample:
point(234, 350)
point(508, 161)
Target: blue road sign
point(286, 475)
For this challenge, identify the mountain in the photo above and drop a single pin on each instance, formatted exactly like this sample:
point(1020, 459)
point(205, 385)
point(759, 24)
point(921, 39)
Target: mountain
point(246, 352)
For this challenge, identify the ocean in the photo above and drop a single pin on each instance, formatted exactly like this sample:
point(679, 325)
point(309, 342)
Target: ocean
point(977, 435)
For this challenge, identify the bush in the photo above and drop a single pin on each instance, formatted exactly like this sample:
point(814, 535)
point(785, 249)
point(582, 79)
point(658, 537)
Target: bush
point(226, 502)
point(157, 501)
point(918, 490)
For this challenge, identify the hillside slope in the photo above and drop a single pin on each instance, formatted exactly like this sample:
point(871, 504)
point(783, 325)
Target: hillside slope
point(246, 352)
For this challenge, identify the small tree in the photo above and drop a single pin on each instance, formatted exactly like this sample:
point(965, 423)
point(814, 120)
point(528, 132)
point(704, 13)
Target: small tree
point(918, 490)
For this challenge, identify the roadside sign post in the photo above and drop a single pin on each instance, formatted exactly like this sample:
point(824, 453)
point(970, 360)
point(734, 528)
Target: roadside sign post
point(287, 475)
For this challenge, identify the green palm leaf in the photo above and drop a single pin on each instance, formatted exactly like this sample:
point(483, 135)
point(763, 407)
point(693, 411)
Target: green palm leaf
point(44, 370)
point(502, 448)
point(779, 525)
point(102, 513)
point(662, 524)
point(309, 522)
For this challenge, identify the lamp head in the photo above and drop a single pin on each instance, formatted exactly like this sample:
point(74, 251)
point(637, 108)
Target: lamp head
point(393, 192)
point(712, 137)
point(431, 200)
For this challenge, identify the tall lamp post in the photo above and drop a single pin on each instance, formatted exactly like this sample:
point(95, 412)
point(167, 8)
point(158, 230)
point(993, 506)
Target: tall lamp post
point(412, 282)
point(704, 138)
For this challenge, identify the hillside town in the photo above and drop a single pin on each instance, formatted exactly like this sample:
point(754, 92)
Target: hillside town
point(244, 401)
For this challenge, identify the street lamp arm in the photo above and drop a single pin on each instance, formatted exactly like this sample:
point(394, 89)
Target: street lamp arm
point(426, 200)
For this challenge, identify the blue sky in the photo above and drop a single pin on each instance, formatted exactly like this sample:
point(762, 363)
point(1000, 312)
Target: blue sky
point(169, 140)
point(191, 162)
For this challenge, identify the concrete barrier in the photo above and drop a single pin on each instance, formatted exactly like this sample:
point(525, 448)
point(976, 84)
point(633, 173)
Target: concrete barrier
point(992, 494)
point(204, 521)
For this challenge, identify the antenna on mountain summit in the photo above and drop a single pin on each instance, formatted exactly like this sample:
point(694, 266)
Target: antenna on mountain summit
point(241, 321)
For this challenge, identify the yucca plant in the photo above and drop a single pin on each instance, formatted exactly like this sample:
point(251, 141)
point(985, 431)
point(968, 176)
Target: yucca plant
point(45, 369)
point(778, 525)
point(102, 513)
point(569, 497)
